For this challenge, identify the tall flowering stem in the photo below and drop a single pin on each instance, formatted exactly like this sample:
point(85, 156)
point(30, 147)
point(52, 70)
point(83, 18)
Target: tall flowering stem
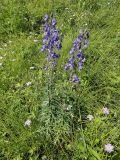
point(76, 54)
point(51, 45)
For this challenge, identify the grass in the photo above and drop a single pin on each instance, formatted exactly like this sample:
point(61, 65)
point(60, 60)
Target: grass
point(55, 134)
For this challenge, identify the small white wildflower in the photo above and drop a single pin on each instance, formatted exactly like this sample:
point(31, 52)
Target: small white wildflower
point(81, 139)
point(10, 41)
point(72, 116)
point(105, 110)
point(35, 40)
point(1, 57)
point(13, 60)
point(0, 64)
point(44, 157)
point(5, 45)
point(109, 148)
point(27, 122)
point(32, 68)
point(69, 108)
point(90, 117)
point(28, 83)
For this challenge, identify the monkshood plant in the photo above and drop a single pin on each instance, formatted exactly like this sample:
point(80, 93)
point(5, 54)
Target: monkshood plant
point(51, 45)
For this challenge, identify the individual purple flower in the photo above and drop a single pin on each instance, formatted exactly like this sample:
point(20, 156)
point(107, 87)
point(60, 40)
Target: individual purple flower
point(75, 79)
point(68, 66)
point(72, 51)
point(87, 34)
point(43, 48)
point(46, 17)
point(85, 43)
point(55, 35)
point(80, 65)
point(109, 148)
point(71, 60)
point(58, 45)
point(105, 110)
point(54, 22)
point(80, 55)
point(46, 28)
point(55, 55)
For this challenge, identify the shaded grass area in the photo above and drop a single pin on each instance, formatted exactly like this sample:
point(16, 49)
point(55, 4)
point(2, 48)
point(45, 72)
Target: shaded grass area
point(55, 133)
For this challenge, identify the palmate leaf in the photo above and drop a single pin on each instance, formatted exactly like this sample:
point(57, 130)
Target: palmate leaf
point(94, 153)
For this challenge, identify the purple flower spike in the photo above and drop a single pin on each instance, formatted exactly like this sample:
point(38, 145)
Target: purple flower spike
point(46, 17)
point(75, 79)
point(54, 22)
point(51, 40)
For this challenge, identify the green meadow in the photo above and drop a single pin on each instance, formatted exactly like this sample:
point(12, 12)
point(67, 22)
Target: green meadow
point(43, 115)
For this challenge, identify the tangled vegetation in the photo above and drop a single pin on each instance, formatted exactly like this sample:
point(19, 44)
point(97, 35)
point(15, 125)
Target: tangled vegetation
point(57, 103)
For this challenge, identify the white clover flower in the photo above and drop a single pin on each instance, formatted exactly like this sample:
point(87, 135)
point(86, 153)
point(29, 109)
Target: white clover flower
point(105, 110)
point(0, 64)
point(28, 83)
point(27, 122)
point(109, 148)
point(1, 57)
point(90, 117)
point(32, 68)
point(35, 40)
